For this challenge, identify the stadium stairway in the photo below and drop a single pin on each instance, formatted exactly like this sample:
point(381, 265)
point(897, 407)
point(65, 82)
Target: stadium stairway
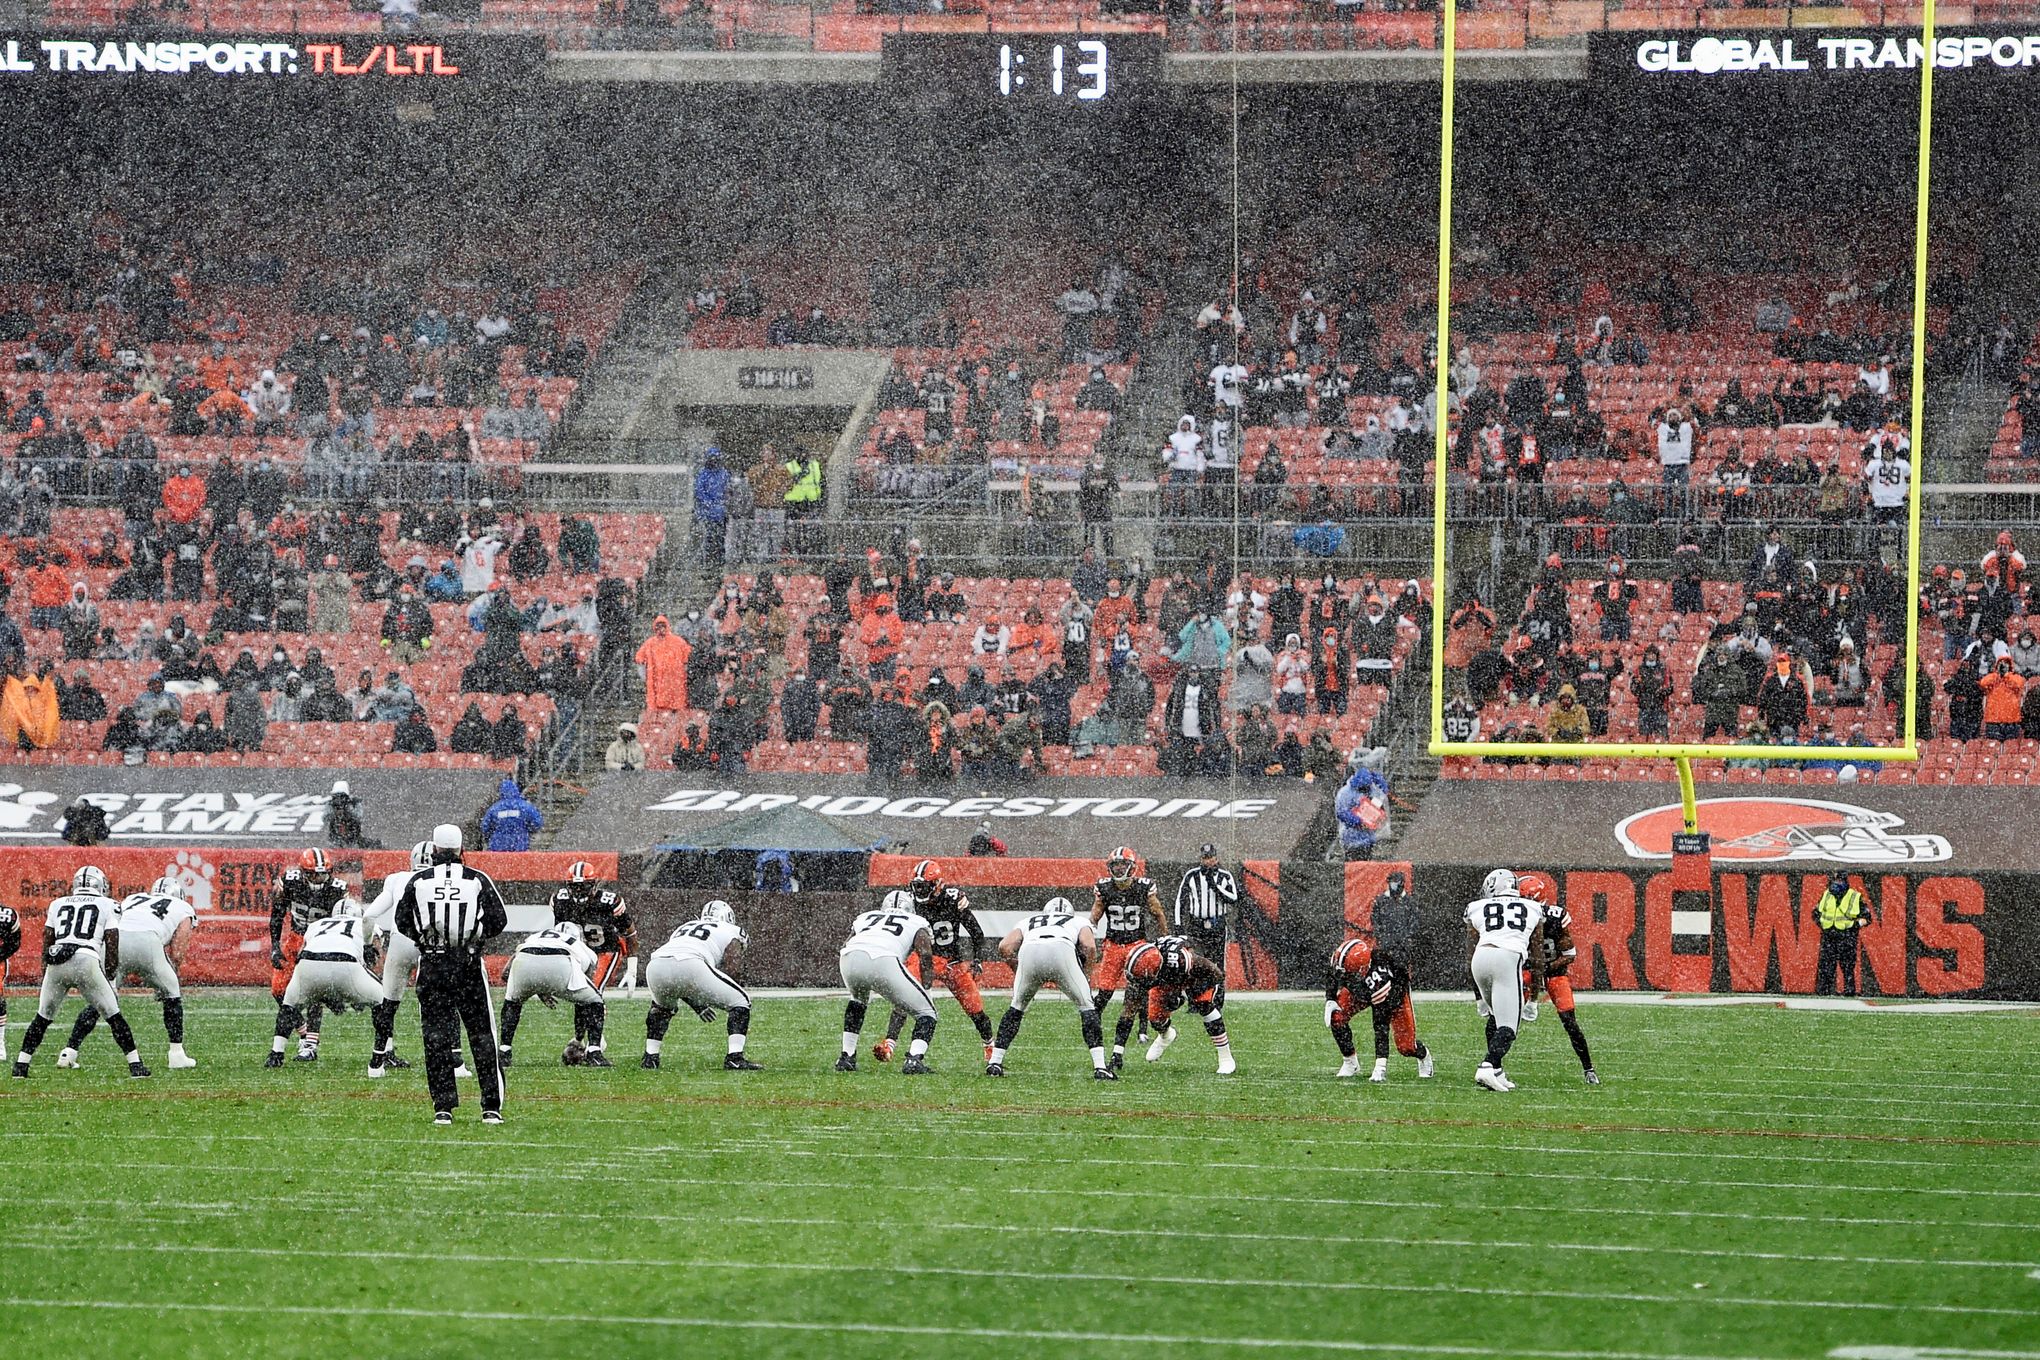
point(653, 324)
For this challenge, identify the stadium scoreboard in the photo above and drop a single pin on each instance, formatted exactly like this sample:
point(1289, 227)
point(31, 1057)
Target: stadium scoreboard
point(1036, 71)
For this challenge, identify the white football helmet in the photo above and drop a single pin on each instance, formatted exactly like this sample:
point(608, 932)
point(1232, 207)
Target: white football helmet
point(720, 912)
point(89, 881)
point(899, 899)
point(167, 886)
point(421, 856)
point(1058, 905)
point(1499, 883)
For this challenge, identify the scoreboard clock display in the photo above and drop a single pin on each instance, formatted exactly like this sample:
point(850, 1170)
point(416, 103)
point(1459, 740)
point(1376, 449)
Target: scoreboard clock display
point(1024, 70)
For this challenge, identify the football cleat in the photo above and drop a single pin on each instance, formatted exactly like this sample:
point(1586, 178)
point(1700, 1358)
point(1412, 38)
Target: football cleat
point(1226, 1065)
point(308, 1050)
point(492, 1116)
point(1529, 1011)
point(916, 1067)
point(503, 1056)
point(1507, 1085)
point(1348, 1068)
point(461, 1072)
point(68, 1058)
point(138, 1068)
point(846, 1062)
point(993, 1069)
point(737, 1062)
point(1104, 1074)
point(20, 1071)
point(650, 1062)
point(1592, 1077)
point(1161, 1044)
point(394, 1063)
point(596, 1058)
point(882, 1051)
point(1425, 1066)
point(1486, 1076)
point(1116, 1063)
point(273, 1060)
point(443, 1117)
point(375, 1070)
point(182, 1062)
point(1380, 1072)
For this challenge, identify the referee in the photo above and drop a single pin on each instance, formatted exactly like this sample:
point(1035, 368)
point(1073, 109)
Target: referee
point(450, 910)
point(1204, 903)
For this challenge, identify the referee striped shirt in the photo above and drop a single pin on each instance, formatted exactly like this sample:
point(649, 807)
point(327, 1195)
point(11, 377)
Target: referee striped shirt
point(1205, 896)
point(451, 909)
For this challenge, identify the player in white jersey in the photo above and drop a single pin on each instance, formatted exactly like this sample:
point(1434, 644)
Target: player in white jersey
point(1056, 945)
point(874, 959)
point(400, 960)
point(155, 932)
point(81, 943)
point(697, 968)
point(1503, 928)
point(554, 963)
point(331, 970)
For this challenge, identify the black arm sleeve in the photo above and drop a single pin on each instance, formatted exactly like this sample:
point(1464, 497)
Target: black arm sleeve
point(1333, 979)
point(1380, 1016)
point(277, 910)
point(977, 933)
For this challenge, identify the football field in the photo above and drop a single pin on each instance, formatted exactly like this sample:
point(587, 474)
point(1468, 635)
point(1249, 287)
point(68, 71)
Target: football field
point(1749, 1181)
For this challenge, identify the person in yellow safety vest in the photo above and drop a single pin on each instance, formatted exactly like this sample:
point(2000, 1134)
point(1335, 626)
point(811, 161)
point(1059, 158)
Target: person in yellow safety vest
point(1841, 916)
point(805, 497)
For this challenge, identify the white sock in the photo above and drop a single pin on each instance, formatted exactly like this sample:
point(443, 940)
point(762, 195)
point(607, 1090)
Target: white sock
point(917, 1049)
point(654, 1046)
point(1119, 1050)
point(737, 1043)
point(998, 1055)
point(849, 1043)
point(177, 1050)
point(1220, 1041)
point(1097, 1057)
point(276, 1044)
point(595, 1048)
point(134, 1055)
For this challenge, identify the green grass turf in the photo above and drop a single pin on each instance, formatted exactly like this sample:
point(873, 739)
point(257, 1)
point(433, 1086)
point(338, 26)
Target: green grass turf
point(1748, 1182)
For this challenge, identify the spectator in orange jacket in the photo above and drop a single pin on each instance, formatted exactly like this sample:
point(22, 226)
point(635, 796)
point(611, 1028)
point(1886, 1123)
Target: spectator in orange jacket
point(184, 496)
point(49, 590)
point(881, 633)
point(662, 661)
point(2004, 691)
point(1466, 636)
point(225, 413)
point(28, 709)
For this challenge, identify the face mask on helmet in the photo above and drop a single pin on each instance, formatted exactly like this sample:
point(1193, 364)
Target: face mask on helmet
point(1498, 883)
point(421, 856)
point(1120, 866)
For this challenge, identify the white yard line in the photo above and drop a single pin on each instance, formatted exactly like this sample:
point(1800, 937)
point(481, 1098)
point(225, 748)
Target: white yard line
point(1142, 1340)
point(1014, 1274)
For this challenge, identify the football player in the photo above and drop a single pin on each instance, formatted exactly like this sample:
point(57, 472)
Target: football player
point(697, 968)
point(1549, 972)
point(400, 960)
point(331, 969)
point(1124, 900)
point(1053, 945)
point(874, 959)
point(10, 945)
point(604, 918)
point(1366, 976)
point(308, 893)
point(551, 964)
point(949, 916)
point(1503, 929)
point(81, 941)
point(1165, 973)
point(155, 933)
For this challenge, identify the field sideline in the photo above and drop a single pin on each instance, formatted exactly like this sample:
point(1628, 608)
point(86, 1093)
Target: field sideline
point(1749, 1182)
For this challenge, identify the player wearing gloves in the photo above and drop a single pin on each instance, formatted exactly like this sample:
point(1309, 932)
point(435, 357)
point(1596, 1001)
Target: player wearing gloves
point(697, 969)
point(331, 969)
point(1549, 971)
point(1055, 945)
point(81, 943)
point(552, 964)
point(604, 918)
point(950, 917)
point(155, 932)
point(309, 893)
point(1503, 929)
point(1167, 973)
point(1364, 975)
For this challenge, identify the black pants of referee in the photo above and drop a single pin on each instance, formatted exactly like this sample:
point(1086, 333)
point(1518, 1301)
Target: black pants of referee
point(1211, 944)
point(453, 992)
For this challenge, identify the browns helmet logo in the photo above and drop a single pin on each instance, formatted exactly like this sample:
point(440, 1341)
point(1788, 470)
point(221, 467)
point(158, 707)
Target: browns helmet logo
point(1784, 829)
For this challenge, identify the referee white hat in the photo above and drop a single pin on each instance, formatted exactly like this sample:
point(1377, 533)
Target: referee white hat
point(446, 836)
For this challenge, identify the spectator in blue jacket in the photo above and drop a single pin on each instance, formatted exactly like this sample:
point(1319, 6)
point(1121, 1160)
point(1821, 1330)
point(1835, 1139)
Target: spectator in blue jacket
point(1320, 540)
point(444, 585)
point(511, 819)
point(712, 503)
point(1362, 807)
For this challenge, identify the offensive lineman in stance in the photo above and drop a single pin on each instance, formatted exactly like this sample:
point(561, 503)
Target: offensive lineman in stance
point(331, 967)
point(696, 968)
point(1549, 970)
point(1124, 900)
point(949, 917)
point(309, 893)
point(551, 964)
point(1503, 928)
point(874, 959)
point(80, 945)
point(1365, 975)
point(155, 931)
point(1165, 973)
point(1053, 945)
